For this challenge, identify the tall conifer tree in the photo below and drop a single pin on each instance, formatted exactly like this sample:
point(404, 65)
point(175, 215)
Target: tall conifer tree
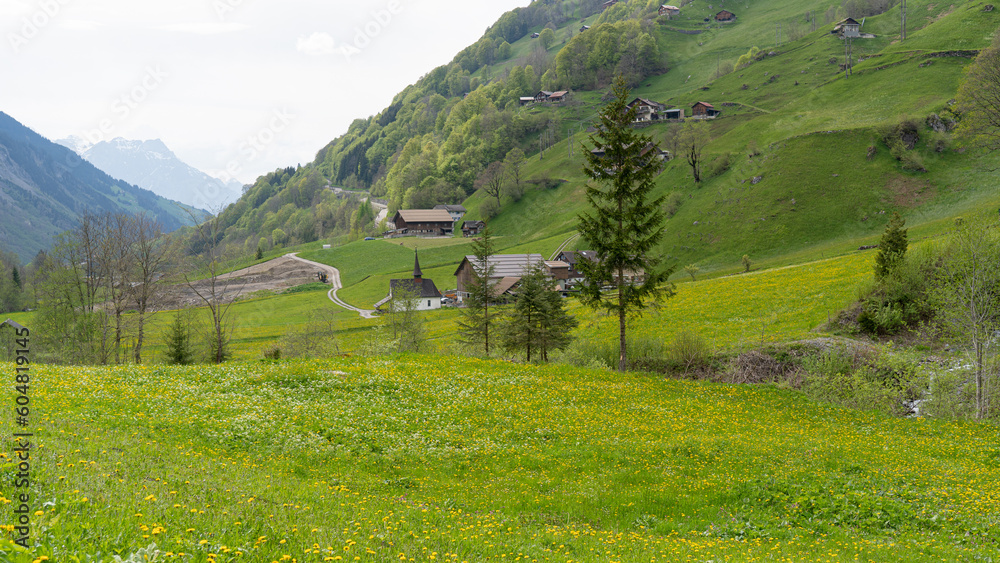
point(474, 326)
point(623, 225)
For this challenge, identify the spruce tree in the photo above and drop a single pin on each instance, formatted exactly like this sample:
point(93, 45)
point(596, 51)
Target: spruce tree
point(474, 326)
point(16, 276)
point(623, 226)
point(179, 349)
point(891, 247)
point(536, 322)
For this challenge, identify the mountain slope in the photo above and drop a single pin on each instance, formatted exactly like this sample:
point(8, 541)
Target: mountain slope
point(151, 165)
point(811, 137)
point(44, 187)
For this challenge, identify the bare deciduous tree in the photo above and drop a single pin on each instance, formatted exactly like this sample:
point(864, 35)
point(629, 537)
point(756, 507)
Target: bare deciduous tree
point(217, 290)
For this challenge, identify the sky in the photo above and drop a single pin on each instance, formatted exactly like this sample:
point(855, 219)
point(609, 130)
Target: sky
point(236, 88)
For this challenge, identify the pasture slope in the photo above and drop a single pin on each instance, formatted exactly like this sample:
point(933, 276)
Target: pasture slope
point(431, 458)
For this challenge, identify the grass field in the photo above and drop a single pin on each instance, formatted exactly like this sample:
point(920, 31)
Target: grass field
point(430, 458)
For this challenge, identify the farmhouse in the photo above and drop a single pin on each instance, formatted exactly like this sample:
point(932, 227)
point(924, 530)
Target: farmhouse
point(507, 271)
point(847, 28)
point(557, 97)
point(424, 294)
point(472, 228)
point(850, 28)
point(704, 110)
point(725, 16)
point(456, 211)
point(572, 259)
point(668, 10)
point(574, 275)
point(584, 28)
point(423, 221)
point(535, 35)
point(608, 4)
point(646, 110)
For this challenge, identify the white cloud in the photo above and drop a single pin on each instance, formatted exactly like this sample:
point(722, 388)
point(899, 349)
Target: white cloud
point(317, 44)
point(205, 28)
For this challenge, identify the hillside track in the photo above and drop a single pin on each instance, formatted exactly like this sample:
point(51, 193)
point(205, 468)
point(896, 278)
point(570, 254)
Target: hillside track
point(334, 275)
point(564, 244)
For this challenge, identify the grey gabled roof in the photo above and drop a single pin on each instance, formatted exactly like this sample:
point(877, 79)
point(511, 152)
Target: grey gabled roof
point(453, 208)
point(425, 287)
point(508, 265)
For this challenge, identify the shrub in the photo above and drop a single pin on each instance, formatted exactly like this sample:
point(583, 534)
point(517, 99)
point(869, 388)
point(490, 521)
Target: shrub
point(864, 378)
point(719, 165)
point(672, 204)
point(900, 299)
point(689, 351)
point(488, 209)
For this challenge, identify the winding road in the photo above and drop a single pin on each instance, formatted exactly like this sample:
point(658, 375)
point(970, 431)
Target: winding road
point(334, 275)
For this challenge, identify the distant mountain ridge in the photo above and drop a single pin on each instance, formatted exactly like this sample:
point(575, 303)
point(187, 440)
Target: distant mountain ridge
point(150, 164)
point(45, 187)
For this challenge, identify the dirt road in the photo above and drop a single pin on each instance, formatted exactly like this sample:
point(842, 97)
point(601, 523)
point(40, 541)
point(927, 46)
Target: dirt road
point(334, 277)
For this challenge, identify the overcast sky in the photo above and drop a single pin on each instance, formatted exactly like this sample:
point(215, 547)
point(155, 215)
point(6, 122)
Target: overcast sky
point(248, 85)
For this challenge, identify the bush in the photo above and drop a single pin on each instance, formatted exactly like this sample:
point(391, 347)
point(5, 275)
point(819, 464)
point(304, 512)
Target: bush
point(689, 351)
point(864, 378)
point(901, 298)
point(718, 166)
point(488, 209)
point(672, 204)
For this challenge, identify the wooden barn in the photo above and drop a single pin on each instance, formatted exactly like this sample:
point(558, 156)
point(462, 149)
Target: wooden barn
point(725, 16)
point(423, 221)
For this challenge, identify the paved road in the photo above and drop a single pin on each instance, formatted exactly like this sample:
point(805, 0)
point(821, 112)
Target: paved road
point(334, 275)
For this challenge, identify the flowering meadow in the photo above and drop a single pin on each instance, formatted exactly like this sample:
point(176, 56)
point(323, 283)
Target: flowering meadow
point(436, 458)
point(746, 310)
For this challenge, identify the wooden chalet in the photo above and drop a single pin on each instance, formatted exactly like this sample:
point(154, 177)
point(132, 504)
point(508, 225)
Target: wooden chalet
point(584, 28)
point(725, 16)
point(423, 221)
point(608, 4)
point(847, 28)
point(646, 110)
point(575, 276)
point(557, 97)
point(536, 35)
point(472, 228)
point(668, 10)
point(704, 110)
point(507, 272)
point(456, 211)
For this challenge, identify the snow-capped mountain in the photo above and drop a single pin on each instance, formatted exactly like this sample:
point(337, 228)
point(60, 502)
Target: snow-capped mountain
point(151, 165)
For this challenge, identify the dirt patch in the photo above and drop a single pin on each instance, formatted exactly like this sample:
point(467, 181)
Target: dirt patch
point(271, 276)
point(910, 192)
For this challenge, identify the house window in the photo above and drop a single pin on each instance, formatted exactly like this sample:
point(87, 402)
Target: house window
point(428, 302)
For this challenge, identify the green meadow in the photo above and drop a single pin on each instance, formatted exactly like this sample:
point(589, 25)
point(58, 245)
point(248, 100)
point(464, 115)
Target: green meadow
point(445, 458)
